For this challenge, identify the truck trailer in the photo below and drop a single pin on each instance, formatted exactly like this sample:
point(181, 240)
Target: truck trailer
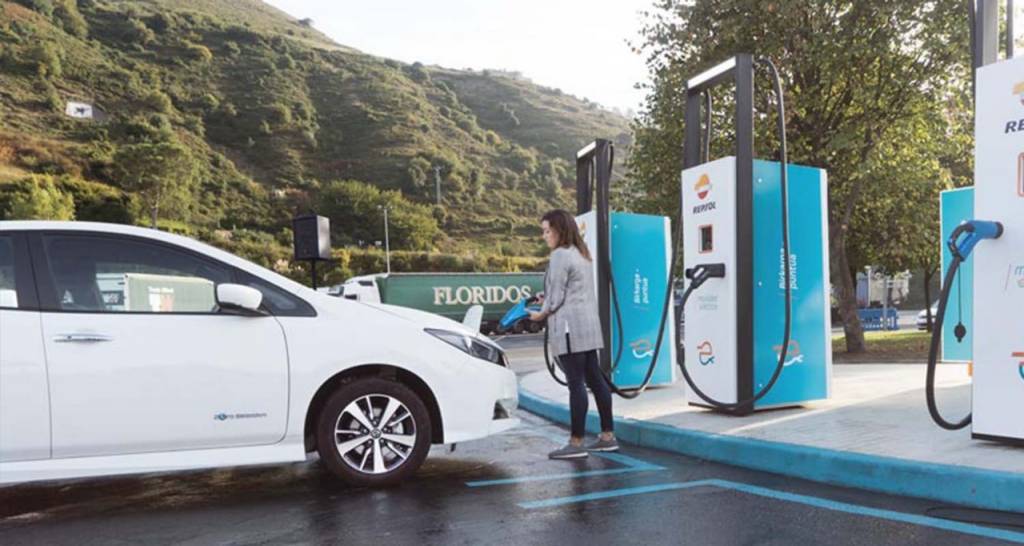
point(448, 294)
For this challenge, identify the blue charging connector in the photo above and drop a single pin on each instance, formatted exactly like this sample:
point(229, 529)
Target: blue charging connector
point(968, 234)
point(518, 312)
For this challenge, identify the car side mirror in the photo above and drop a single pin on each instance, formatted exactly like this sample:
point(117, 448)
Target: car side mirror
point(239, 299)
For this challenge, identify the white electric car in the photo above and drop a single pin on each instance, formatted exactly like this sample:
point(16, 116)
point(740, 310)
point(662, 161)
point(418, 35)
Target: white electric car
point(127, 350)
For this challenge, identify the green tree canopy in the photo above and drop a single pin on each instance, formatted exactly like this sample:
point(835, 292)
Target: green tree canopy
point(43, 201)
point(161, 174)
point(353, 208)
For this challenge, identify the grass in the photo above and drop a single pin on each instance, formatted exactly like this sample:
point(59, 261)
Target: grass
point(885, 347)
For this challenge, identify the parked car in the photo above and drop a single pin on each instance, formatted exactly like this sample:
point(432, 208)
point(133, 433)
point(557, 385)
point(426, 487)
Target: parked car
point(132, 350)
point(922, 317)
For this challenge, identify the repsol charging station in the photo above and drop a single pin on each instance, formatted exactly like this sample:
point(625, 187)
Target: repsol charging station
point(996, 238)
point(632, 269)
point(758, 329)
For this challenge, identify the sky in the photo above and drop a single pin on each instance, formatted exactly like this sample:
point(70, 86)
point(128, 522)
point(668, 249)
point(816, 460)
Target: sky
point(578, 46)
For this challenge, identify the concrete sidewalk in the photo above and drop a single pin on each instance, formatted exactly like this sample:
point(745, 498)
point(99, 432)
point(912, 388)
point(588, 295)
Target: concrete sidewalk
point(874, 433)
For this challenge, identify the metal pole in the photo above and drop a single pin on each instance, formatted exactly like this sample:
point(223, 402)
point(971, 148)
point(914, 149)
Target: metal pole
point(885, 303)
point(1009, 29)
point(387, 241)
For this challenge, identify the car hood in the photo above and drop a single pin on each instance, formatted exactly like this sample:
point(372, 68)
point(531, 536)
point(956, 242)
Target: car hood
point(422, 318)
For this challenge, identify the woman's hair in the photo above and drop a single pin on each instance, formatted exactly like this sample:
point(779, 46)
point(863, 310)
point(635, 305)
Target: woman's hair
point(568, 233)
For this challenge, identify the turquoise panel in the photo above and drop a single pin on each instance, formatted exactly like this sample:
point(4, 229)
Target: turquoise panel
point(806, 375)
point(957, 206)
point(639, 248)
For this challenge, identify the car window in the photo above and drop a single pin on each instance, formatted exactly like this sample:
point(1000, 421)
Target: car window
point(276, 301)
point(8, 290)
point(118, 274)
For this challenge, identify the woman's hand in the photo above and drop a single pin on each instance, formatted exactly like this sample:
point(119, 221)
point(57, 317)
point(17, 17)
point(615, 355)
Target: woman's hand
point(537, 316)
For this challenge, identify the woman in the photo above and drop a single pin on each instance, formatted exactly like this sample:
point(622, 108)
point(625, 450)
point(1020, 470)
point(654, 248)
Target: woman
point(574, 328)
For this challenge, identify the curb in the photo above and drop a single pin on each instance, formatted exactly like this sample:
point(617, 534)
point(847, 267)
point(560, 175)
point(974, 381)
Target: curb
point(977, 488)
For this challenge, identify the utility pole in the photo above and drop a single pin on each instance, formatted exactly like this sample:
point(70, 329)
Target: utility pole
point(387, 240)
point(437, 183)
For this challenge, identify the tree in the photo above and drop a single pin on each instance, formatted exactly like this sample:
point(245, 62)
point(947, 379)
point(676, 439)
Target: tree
point(46, 56)
point(900, 230)
point(43, 201)
point(161, 174)
point(352, 207)
point(851, 72)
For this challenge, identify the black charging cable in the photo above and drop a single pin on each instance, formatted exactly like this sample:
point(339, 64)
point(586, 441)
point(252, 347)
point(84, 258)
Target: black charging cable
point(933, 348)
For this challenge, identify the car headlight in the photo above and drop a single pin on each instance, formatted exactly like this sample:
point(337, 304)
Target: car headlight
point(470, 345)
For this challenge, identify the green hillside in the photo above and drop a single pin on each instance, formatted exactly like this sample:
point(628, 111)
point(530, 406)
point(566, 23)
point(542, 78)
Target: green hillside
point(226, 117)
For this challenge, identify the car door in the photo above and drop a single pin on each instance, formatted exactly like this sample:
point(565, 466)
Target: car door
point(140, 357)
point(24, 403)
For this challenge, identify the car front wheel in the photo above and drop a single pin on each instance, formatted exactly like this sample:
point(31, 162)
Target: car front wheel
point(373, 432)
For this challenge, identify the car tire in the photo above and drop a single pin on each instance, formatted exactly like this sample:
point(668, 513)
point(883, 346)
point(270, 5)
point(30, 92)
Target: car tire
point(519, 327)
point(535, 327)
point(358, 448)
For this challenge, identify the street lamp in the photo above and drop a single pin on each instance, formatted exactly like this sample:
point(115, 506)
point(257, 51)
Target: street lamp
point(387, 241)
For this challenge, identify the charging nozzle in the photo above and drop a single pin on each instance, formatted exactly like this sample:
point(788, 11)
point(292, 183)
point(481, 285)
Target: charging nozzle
point(698, 275)
point(967, 235)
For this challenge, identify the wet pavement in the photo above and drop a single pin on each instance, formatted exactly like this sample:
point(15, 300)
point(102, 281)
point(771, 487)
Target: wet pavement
point(498, 490)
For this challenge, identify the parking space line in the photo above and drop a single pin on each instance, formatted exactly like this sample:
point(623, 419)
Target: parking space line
point(565, 476)
point(817, 502)
point(611, 493)
point(631, 464)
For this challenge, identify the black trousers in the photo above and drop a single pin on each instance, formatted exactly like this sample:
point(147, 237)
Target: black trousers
point(581, 371)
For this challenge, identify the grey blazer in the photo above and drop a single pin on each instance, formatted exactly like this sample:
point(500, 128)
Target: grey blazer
point(570, 301)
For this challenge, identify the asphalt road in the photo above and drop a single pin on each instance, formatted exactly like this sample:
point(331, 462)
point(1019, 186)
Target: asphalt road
point(500, 490)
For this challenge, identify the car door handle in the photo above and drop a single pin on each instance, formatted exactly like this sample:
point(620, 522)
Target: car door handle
point(81, 338)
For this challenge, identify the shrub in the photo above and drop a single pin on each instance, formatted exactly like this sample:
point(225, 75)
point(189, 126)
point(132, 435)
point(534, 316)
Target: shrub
point(157, 100)
point(208, 102)
point(46, 57)
point(41, 200)
point(162, 22)
point(49, 98)
point(70, 18)
point(42, 6)
point(279, 115)
point(138, 33)
point(418, 73)
point(199, 53)
point(286, 62)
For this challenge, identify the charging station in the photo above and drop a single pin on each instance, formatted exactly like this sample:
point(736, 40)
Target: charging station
point(732, 216)
point(995, 239)
point(632, 256)
point(998, 384)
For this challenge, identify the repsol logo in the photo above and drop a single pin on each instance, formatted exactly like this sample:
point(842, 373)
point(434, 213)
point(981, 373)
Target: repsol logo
point(700, 209)
point(480, 295)
point(1014, 126)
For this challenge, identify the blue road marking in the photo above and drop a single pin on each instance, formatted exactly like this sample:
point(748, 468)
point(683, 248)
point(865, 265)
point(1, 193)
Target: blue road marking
point(631, 464)
point(565, 476)
point(817, 502)
point(548, 503)
point(635, 464)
